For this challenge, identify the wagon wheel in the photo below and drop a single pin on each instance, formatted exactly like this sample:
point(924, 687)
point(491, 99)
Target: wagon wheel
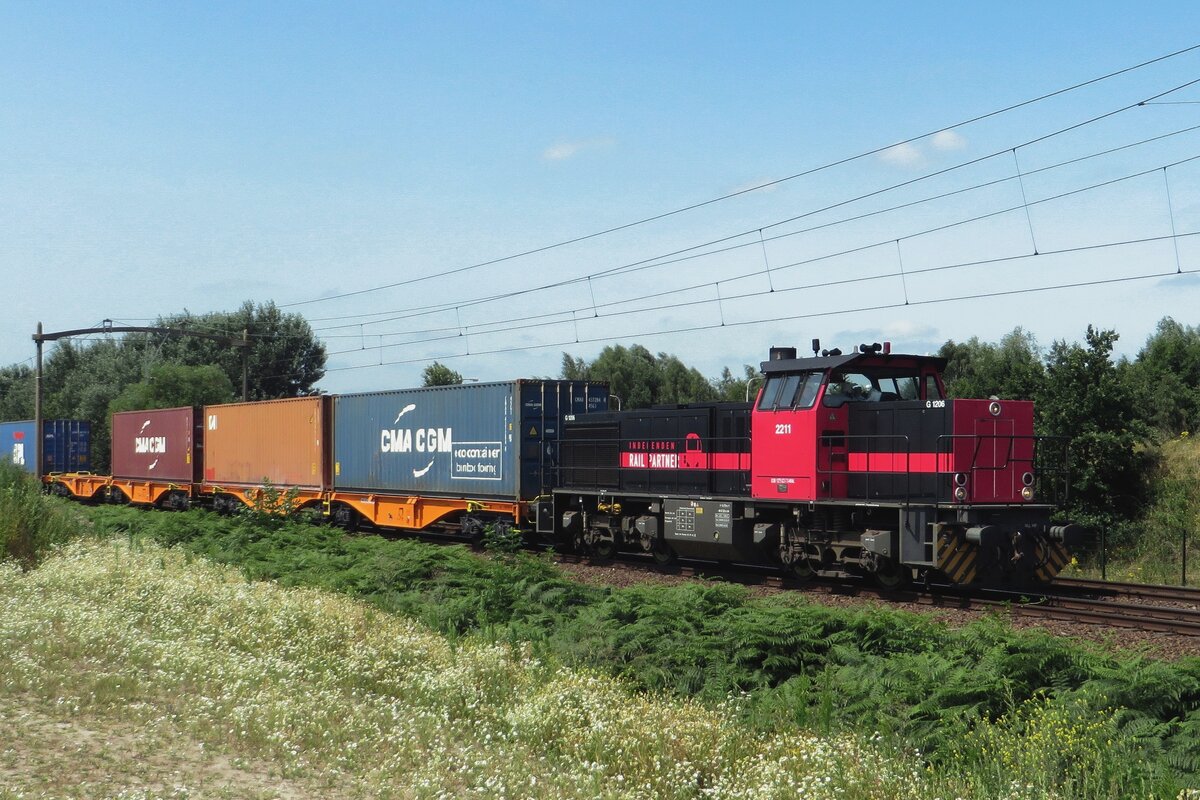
point(893, 575)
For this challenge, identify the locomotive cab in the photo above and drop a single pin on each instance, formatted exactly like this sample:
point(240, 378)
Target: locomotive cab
point(804, 438)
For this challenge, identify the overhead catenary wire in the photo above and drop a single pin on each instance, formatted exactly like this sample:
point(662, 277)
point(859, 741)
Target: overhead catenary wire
point(682, 254)
point(479, 329)
point(823, 284)
point(764, 185)
point(791, 317)
point(482, 328)
point(520, 323)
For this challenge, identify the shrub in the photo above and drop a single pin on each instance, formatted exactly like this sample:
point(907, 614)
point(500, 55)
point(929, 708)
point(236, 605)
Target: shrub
point(30, 521)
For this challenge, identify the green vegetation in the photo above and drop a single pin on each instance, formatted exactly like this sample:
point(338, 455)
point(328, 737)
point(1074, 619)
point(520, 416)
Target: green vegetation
point(31, 522)
point(172, 386)
point(983, 711)
point(340, 700)
point(1171, 520)
point(438, 374)
point(642, 379)
point(1131, 421)
point(952, 695)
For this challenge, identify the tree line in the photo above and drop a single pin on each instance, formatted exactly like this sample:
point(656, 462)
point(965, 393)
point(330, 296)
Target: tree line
point(91, 379)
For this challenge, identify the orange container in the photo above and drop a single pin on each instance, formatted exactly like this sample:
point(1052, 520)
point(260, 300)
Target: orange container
point(283, 442)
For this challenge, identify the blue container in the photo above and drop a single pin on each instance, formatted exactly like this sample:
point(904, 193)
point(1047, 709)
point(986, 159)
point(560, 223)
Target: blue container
point(67, 445)
point(17, 444)
point(484, 440)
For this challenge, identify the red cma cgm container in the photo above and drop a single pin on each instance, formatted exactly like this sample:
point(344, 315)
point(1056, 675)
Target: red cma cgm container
point(157, 445)
point(276, 441)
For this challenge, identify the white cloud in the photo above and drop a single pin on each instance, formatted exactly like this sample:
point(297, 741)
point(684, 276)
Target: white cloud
point(908, 329)
point(903, 155)
point(561, 151)
point(948, 140)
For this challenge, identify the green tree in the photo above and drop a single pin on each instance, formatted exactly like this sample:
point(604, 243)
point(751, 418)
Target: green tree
point(438, 374)
point(1011, 369)
point(640, 378)
point(574, 368)
point(734, 390)
point(285, 358)
point(16, 392)
point(681, 383)
point(1165, 378)
point(1086, 398)
point(80, 380)
point(174, 385)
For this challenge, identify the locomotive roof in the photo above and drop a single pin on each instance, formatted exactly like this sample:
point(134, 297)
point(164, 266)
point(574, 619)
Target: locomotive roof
point(857, 359)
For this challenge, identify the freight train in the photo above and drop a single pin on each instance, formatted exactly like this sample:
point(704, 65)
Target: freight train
point(845, 464)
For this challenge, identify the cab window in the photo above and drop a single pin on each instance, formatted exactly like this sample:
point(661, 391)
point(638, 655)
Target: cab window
point(787, 392)
point(873, 385)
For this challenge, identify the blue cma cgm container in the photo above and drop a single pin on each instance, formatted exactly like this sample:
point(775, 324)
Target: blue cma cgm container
point(477, 440)
point(67, 445)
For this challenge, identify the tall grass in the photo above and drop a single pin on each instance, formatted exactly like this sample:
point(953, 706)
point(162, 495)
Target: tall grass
point(1151, 550)
point(918, 684)
point(30, 521)
point(354, 703)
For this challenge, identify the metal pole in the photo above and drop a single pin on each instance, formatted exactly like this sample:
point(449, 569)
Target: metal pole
point(1103, 555)
point(245, 364)
point(37, 407)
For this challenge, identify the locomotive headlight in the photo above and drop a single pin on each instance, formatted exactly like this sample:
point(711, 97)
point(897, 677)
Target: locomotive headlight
point(994, 408)
point(1027, 479)
point(1027, 493)
point(960, 493)
point(960, 479)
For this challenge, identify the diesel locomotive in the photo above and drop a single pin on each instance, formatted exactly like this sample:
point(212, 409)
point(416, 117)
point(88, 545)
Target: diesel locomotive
point(845, 464)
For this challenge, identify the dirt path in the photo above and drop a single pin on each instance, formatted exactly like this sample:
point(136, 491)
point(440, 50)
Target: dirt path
point(48, 752)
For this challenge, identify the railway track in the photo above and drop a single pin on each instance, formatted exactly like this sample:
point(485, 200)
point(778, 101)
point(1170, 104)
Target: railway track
point(1170, 619)
point(1141, 591)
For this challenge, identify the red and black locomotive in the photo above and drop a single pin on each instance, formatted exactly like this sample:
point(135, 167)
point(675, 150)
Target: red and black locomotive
point(847, 464)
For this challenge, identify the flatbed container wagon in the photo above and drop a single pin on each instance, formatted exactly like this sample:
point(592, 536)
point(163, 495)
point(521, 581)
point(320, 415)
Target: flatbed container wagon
point(156, 456)
point(278, 443)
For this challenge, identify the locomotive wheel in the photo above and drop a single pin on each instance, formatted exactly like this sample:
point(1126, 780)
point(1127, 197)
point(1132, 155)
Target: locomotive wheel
point(893, 576)
point(604, 549)
point(801, 570)
point(663, 553)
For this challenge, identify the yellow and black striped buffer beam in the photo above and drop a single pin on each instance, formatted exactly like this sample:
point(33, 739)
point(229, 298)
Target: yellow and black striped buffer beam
point(1054, 557)
point(957, 558)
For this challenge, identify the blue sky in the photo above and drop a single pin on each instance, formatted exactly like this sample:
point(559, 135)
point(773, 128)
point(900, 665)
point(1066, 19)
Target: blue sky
point(158, 157)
